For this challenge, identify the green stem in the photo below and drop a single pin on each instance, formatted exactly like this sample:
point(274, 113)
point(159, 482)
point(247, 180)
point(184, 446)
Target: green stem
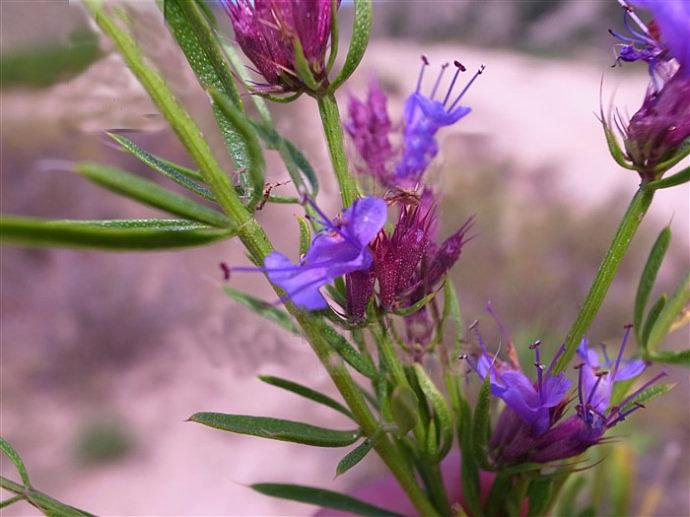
point(606, 273)
point(43, 502)
point(330, 117)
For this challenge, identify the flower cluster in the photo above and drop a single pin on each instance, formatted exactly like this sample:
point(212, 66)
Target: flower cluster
point(423, 116)
point(272, 34)
point(655, 133)
point(531, 427)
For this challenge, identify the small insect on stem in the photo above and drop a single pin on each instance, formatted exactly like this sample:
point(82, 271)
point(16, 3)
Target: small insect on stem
point(267, 193)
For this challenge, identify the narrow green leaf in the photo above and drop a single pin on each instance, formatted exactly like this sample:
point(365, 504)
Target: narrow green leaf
point(648, 278)
point(358, 42)
point(353, 457)
point(468, 467)
point(242, 72)
point(48, 505)
point(196, 38)
point(406, 311)
point(180, 175)
point(614, 148)
point(334, 36)
point(676, 179)
point(674, 306)
point(539, 495)
point(302, 66)
point(309, 393)
point(112, 235)
point(322, 498)
point(680, 153)
point(255, 164)
point(649, 394)
point(351, 356)
point(304, 235)
point(10, 501)
point(451, 307)
point(497, 501)
point(150, 193)
point(652, 316)
point(481, 421)
point(14, 457)
point(264, 309)
point(404, 407)
point(682, 358)
point(277, 429)
point(441, 411)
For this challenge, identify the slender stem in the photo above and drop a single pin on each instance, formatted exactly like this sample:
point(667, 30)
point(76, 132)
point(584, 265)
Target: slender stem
point(43, 502)
point(330, 117)
point(606, 273)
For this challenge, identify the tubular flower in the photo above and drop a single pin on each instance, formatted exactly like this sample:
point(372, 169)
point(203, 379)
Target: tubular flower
point(423, 117)
point(342, 247)
point(656, 133)
point(272, 33)
point(532, 428)
point(369, 126)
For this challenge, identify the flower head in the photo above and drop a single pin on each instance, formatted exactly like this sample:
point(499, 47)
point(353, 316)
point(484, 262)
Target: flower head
point(424, 116)
point(342, 247)
point(369, 126)
point(272, 32)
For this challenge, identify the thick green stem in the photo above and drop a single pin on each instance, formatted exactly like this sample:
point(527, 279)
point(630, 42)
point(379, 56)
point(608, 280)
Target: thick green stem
point(606, 273)
point(330, 117)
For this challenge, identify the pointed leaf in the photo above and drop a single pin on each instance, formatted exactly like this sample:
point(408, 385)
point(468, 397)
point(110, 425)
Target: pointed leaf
point(358, 42)
point(277, 429)
point(441, 411)
point(469, 469)
point(406, 311)
point(304, 235)
point(677, 179)
point(150, 193)
point(264, 309)
point(302, 66)
point(480, 421)
point(351, 356)
point(48, 505)
point(112, 235)
point(652, 316)
point(648, 278)
point(309, 393)
point(195, 36)
point(451, 307)
point(674, 306)
point(539, 495)
point(404, 407)
point(255, 164)
point(242, 71)
point(353, 457)
point(649, 394)
point(181, 175)
point(323, 498)
point(14, 457)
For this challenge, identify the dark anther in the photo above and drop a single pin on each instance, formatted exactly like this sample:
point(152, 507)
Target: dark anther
point(460, 65)
point(601, 373)
point(578, 366)
point(426, 61)
point(226, 271)
point(535, 344)
point(539, 365)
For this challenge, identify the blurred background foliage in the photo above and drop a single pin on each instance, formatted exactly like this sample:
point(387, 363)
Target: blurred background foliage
point(131, 338)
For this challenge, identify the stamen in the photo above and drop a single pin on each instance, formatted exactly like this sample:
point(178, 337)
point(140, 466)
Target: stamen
point(438, 80)
point(644, 387)
point(600, 376)
point(631, 12)
point(555, 358)
point(607, 359)
point(425, 63)
point(460, 68)
point(467, 87)
point(580, 396)
point(540, 367)
point(226, 271)
point(628, 328)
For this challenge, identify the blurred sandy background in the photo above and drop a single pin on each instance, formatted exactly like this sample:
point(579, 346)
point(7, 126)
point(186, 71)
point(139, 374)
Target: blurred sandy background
point(105, 355)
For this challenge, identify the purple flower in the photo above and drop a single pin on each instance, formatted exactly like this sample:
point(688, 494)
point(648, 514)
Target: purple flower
point(530, 428)
point(423, 117)
point(342, 247)
point(369, 127)
point(268, 32)
point(531, 402)
point(359, 286)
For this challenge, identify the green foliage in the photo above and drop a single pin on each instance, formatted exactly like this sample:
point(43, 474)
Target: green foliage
point(322, 498)
point(353, 457)
point(102, 441)
point(109, 235)
point(49, 63)
point(442, 415)
point(277, 429)
point(150, 193)
point(651, 269)
point(264, 309)
point(359, 362)
point(675, 305)
point(358, 43)
point(539, 495)
point(404, 408)
point(481, 422)
point(648, 394)
point(303, 391)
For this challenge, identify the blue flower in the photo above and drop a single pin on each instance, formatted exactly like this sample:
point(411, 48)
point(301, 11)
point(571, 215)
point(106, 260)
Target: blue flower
point(672, 19)
point(532, 402)
point(341, 247)
point(423, 117)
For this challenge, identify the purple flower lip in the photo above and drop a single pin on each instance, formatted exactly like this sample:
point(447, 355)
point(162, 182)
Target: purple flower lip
point(342, 247)
point(423, 117)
